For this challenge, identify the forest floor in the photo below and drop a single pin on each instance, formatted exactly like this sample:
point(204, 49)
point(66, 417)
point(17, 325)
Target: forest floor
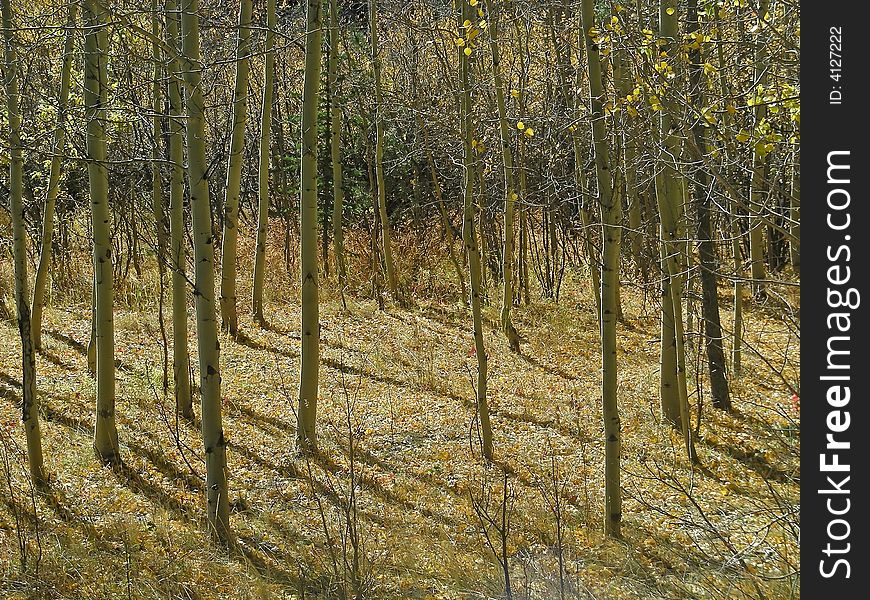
point(389, 504)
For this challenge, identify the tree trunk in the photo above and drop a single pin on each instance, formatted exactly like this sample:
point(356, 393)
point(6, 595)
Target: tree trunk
point(29, 399)
point(306, 438)
point(53, 178)
point(386, 234)
point(611, 213)
point(757, 194)
point(669, 196)
point(470, 239)
point(263, 174)
point(335, 150)
point(95, 98)
point(510, 194)
point(204, 288)
point(229, 240)
point(178, 255)
point(706, 249)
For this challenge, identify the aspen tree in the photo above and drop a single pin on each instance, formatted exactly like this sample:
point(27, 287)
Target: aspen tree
point(53, 187)
point(706, 250)
point(668, 198)
point(177, 252)
point(263, 173)
point(611, 218)
point(29, 399)
point(675, 403)
point(229, 240)
point(204, 287)
point(386, 233)
point(335, 117)
point(306, 438)
point(734, 225)
point(157, 131)
point(756, 185)
point(510, 194)
point(469, 235)
point(95, 98)
point(157, 200)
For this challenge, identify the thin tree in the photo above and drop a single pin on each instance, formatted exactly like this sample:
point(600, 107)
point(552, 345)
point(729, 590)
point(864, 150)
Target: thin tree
point(669, 196)
point(157, 201)
point(386, 234)
point(306, 435)
point(469, 236)
point(95, 99)
point(29, 399)
point(510, 194)
point(229, 240)
point(263, 174)
point(53, 187)
point(756, 186)
point(706, 249)
point(669, 199)
point(611, 222)
point(177, 252)
point(335, 117)
point(204, 289)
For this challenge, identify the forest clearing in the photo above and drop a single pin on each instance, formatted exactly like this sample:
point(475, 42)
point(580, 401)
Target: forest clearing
point(372, 299)
point(405, 376)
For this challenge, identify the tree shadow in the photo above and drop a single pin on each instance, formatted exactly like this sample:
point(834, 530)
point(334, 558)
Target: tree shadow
point(127, 476)
point(548, 368)
point(69, 341)
point(55, 360)
point(191, 481)
point(245, 340)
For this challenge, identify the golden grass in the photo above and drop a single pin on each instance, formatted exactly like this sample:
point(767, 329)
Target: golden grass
point(406, 375)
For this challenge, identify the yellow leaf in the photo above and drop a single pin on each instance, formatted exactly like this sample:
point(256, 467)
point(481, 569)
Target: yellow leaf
point(742, 137)
point(466, 24)
point(530, 132)
point(671, 11)
point(460, 42)
point(520, 125)
point(515, 93)
point(467, 51)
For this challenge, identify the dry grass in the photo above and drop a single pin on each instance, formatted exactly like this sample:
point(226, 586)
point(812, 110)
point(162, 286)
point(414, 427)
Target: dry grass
point(719, 531)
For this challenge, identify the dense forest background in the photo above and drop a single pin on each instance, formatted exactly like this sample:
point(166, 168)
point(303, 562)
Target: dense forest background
point(344, 299)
